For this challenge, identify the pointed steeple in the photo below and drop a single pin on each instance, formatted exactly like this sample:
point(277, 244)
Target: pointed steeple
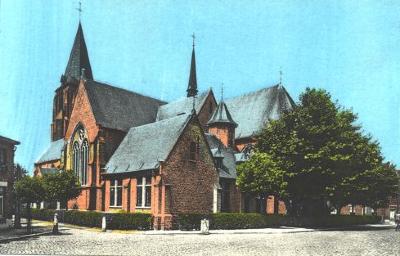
point(221, 115)
point(79, 58)
point(192, 86)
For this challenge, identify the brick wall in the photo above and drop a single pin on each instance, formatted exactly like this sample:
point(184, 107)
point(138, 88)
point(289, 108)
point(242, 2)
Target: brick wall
point(206, 111)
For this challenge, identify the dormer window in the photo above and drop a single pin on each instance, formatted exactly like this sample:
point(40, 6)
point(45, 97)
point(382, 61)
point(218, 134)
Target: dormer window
point(219, 162)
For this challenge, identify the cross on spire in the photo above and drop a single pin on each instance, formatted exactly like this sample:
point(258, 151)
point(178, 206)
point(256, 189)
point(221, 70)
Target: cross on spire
point(194, 37)
point(79, 10)
point(280, 76)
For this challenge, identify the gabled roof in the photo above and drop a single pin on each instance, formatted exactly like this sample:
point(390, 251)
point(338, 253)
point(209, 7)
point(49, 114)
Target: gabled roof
point(221, 115)
point(79, 57)
point(8, 140)
point(182, 106)
point(218, 149)
point(145, 146)
point(252, 111)
point(120, 109)
point(53, 152)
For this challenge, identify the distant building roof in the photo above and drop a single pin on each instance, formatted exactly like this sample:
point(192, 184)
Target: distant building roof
point(8, 140)
point(182, 106)
point(219, 150)
point(53, 152)
point(252, 111)
point(120, 109)
point(145, 146)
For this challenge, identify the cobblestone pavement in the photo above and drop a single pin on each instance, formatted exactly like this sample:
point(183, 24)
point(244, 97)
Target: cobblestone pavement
point(84, 242)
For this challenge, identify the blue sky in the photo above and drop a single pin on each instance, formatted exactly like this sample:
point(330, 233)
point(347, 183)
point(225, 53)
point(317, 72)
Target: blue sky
point(350, 48)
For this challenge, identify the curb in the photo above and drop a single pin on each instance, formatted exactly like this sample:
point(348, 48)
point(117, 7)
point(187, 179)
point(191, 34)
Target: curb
point(15, 238)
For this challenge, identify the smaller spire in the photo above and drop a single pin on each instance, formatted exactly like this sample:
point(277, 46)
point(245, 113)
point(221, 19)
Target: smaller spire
point(280, 76)
point(192, 85)
point(222, 115)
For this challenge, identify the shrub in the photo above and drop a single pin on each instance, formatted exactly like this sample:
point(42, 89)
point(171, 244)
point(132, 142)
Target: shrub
point(83, 218)
point(188, 221)
point(141, 221)
point(256, 220)
point(42, 214)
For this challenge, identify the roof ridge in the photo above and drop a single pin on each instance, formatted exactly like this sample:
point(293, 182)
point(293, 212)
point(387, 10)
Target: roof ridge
point(161, 121)
point(254, 92)
point(103, 83)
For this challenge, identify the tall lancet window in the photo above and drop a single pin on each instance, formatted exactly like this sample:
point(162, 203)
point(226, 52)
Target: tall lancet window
point(80, 158)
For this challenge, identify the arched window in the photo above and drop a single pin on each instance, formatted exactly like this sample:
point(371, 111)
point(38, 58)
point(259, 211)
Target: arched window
point(80, 156)
point(84, 162)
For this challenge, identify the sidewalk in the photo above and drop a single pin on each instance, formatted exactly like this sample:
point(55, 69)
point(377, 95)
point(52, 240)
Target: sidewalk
point(39, 228)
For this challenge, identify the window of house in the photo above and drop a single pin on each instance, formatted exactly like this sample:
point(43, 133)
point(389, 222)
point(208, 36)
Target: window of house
point(143, 192)
point(116, 193)
point(194, 150)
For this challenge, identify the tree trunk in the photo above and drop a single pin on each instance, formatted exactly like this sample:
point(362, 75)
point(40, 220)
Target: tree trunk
point(17, 221)
point(29, 217)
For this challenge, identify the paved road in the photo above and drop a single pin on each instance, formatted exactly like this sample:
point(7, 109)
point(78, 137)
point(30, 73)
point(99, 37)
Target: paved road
point(84, 242)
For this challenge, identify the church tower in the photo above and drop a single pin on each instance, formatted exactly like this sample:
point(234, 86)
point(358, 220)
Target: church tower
point(78, 68)
point(222, 125)
point(192, 85)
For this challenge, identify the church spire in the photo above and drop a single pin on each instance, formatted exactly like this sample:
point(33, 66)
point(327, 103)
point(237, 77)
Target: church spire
point(192, 86)
point(79, 58)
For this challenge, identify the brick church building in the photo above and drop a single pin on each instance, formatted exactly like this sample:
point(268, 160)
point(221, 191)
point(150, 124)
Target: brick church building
point(137, 153)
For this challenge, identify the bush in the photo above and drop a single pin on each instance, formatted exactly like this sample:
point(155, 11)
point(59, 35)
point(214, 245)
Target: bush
point(256, 220)
point(83, 218)
point(141, 221)
point(41, 214)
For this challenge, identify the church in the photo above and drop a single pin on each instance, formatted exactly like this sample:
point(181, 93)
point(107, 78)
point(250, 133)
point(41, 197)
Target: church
point(137, 153)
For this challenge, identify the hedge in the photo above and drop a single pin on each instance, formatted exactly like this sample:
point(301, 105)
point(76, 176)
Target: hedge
point(143, 221)
point(140, 221)
point(256, 220)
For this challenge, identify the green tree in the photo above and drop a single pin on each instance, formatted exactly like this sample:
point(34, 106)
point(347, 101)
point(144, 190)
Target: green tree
point(262, 176)
point(61, 186)
point(30, 190)
point(321, 152)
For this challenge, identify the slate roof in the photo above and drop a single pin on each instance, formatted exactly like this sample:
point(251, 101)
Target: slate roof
point(144, 146)
point(218, 149)
point(221, 115)
point(192, 85)
point(253, 110)
point(118, 108)
point(79, 57)
point(182, 106)
point(45, 171)
point(53, 152)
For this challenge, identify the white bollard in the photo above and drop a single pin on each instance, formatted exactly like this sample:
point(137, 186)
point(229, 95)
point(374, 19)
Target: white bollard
point(204, 226)
point(55, 224)
point(13, 221)
point(103, 224)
